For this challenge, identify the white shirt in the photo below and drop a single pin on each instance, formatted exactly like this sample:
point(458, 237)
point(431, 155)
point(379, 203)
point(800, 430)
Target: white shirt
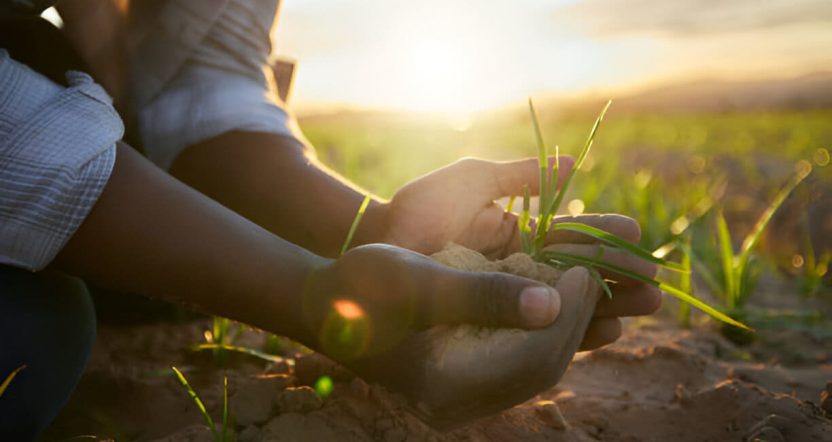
point(57, 150)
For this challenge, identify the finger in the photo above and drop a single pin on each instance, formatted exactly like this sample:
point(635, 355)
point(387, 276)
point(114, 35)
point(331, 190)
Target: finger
point(601, 331)
point(621, 226)
point(509, 177)
point(610, 256)
point(493, 299)
point(639, 300)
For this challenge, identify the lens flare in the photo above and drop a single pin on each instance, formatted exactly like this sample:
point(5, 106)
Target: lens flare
point(346, 331)
point(324, 386)
point(348, 310)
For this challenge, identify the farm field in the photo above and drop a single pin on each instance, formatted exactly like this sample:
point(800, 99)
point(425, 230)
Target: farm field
point(677, 375)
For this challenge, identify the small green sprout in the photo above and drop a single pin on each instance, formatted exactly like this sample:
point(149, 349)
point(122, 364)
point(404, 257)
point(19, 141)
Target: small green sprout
point(223, 436)
point(739, 270)
point(549, 201)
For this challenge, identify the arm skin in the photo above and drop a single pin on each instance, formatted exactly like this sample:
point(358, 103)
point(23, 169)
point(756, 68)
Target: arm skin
point(151, 234)
point(276, 182)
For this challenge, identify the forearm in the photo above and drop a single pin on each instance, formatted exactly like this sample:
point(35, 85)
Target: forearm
point(95, 28)
point(276, 182)
point(151, 234)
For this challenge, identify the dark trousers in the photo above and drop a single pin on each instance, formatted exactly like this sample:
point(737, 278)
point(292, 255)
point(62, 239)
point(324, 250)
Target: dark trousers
point(47, 323)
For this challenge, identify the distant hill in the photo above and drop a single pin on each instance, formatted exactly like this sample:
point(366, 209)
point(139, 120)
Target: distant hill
point(812, 91)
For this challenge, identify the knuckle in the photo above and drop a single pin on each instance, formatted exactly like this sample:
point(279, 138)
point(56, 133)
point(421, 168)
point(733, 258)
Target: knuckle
point(497, 304)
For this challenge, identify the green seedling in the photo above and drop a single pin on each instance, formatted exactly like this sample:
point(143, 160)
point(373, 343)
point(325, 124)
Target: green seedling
point(10, 378)
point(533, 238)
point(815, 267)
point(219, 436)
point(740, 271)
point(222, 334)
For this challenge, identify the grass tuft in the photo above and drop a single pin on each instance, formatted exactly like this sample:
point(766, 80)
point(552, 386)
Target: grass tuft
point(551, 198)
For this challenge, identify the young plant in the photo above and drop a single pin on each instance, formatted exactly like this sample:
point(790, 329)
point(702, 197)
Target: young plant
point(224, 435)
point(740, 270)
point(533, 239)
point(221, 335)
point(815, 267)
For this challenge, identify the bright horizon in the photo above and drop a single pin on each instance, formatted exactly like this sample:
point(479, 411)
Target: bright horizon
point(463, 56)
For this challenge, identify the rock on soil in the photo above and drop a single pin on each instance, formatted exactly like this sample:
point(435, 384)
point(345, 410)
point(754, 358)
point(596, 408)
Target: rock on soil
point(255, 400)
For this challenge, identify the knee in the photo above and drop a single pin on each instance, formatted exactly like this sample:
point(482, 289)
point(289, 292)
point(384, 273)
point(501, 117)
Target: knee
point(52, 319)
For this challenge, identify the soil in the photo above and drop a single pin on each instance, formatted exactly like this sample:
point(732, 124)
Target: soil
point(657, 383)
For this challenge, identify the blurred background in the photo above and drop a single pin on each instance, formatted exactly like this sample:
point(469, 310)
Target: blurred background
point(716, 107)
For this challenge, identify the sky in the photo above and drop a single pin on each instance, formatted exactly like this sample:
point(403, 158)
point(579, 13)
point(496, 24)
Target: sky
point(463, 56)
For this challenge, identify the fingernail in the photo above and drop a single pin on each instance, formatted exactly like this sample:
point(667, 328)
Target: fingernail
point(539, 306)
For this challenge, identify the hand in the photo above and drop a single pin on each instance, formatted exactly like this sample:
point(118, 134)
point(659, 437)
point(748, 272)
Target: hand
point(629, 297)
point(456, 203)
point(375, 295)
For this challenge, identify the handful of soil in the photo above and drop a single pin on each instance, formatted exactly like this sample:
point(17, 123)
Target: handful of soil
point(453, 374)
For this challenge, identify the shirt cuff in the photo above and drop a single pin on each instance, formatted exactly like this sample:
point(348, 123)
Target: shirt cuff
point(57, 150)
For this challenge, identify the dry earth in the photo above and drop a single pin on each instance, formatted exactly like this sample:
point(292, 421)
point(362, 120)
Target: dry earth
point(657, 383)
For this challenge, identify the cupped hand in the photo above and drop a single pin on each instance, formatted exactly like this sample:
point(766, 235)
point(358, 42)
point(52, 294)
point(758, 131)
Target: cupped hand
point(457, 203)
point(629, 297)
point(374, 295)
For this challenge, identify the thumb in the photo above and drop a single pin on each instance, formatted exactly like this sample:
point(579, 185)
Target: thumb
point(496, 300)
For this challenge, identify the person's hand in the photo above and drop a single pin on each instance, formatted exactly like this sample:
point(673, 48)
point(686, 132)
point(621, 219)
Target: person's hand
point(629, 297)
point(374, 295)
point(457, 203)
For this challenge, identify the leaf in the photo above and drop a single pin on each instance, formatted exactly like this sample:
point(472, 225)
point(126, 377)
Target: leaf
point(804, 169)
point(615, 241)
point(580, 160)
point(10, 378)
point(225, 428)
point(360, 214)
point(523, 222)
point(726, 253)
point(690, 299)
point(197, 401)
point(245, 350)
point(510, 204)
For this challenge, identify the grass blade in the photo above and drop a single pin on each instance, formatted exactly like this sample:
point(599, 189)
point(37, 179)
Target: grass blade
point(612, 240)
point(543, 176)
point(10, 378)
point(357, 220)
point(685, 282)
point(686, 297)
point(225, 409)
point(198, 402)
point(726, 253)
point(580, 160)
point(804, 169)
point(244, 350)
point(510, 205)
point(523, 222)
point(601, 281)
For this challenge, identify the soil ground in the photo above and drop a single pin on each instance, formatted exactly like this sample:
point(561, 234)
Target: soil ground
point(657, 383)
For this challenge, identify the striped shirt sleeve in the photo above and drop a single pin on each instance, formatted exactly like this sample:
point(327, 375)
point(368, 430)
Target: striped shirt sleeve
point(57, 150)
